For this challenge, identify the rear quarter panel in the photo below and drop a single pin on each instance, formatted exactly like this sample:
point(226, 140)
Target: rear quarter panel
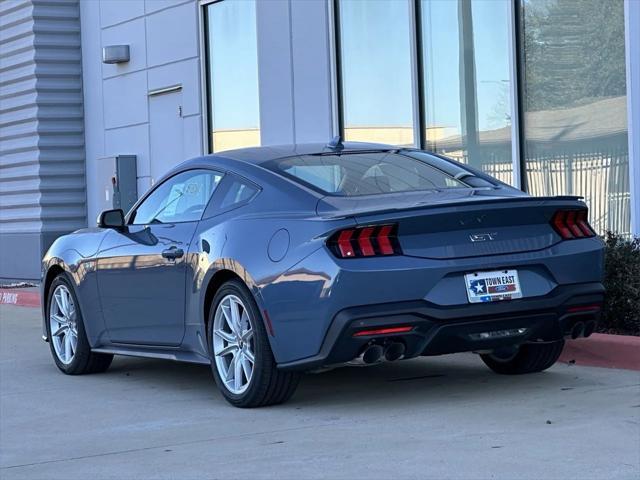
point(259, 242)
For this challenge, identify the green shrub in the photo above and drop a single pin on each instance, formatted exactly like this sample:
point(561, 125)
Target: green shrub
point(622, 281)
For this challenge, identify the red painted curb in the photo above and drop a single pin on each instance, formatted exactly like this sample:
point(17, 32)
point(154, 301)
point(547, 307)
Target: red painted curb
point(19, 297)
point(603, 350)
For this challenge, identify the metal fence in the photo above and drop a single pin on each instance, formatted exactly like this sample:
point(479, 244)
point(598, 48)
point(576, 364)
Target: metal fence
point(596, 170)
point(601, 177)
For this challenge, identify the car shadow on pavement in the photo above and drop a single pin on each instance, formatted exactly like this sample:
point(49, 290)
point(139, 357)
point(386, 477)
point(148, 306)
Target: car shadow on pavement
point(418, 381)
point(422, 382)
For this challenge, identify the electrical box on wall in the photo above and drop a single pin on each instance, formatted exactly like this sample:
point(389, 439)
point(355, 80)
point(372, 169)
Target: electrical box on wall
point(118, 179)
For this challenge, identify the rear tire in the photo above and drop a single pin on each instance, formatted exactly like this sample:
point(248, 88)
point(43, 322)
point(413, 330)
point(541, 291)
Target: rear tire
point(69, 346)
point(265, 384)
point(530, 358)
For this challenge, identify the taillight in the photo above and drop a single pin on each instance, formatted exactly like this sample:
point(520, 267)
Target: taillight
point(370, 241)
point(572, 224)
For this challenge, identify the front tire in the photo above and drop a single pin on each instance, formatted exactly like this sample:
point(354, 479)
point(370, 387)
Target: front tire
point(530, 358)
point(241, 359)
point(65, 330)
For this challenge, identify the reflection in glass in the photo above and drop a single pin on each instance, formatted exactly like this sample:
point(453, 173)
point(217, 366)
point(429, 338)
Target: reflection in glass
point(355, 174)
point(467, 82)
point(375, 63)
point(575, 105)
point(232, 59)
point(181, 198)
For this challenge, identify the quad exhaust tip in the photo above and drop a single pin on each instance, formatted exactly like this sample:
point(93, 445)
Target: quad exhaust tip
point(377, 353)
point(577, 330)
point(581, 329)
point(372, 354)
point(394, 351)
point(589, 328)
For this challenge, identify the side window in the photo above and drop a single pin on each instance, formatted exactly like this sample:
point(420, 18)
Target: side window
point(237, 193)
point(181, 198)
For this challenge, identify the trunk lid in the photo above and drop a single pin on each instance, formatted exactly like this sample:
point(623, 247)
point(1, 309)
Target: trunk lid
point(458, 223)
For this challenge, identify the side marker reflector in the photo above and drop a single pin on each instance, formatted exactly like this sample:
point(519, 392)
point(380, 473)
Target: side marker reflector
point(584, 308)
point(383, 331)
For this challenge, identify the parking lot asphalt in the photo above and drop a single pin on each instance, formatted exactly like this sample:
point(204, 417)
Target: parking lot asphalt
point(445, 417)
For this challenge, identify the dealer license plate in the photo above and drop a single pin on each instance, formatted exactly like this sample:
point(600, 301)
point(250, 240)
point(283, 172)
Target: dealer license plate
point(493, 286)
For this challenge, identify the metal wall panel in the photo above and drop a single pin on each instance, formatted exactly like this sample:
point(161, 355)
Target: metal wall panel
point(42, 169)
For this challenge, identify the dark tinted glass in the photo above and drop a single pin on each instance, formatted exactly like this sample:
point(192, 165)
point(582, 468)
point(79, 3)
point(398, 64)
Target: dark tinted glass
point(239, 192)
point(371, 173)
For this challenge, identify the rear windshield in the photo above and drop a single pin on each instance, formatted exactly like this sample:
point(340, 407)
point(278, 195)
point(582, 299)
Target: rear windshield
point(368, 173)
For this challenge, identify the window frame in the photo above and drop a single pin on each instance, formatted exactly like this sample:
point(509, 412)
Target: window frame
point(130, 217)
point(204, 75)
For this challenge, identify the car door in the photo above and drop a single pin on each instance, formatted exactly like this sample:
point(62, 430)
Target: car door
point(142, 268)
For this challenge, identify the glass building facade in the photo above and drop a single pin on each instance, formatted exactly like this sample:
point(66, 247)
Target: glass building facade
point(542, 94)
point(574, 105)
point(530, 91)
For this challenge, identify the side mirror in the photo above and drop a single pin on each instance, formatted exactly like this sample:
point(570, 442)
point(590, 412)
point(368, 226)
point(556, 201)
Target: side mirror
point(111, 219)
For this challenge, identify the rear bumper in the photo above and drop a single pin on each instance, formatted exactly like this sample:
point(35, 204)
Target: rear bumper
point(439, 330)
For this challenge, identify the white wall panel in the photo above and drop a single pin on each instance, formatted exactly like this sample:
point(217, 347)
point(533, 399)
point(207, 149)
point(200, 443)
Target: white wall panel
point(125, 100)
point(116, 11)
point(151, 6)
point(172, 34)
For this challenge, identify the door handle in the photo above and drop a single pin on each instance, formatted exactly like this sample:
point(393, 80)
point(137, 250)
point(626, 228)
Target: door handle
point(172, 253)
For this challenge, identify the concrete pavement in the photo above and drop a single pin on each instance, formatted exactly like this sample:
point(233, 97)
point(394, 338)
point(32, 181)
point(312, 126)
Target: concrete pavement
point(446, 417)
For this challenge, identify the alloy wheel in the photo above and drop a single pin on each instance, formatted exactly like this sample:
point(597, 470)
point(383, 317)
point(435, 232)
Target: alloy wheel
point(233, 344)
point(63, 324)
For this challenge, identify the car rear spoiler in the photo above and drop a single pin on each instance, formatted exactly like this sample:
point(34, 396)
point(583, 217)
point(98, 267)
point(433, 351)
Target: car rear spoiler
point(362, 211)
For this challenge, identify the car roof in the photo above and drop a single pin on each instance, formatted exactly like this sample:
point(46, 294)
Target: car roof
point(249, 161)
point(258, 155)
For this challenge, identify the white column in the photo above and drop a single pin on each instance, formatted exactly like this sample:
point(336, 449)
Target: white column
point(312, 70)
point(275, 72)
point(294, 70)
point(93, 103)
point(632, 43)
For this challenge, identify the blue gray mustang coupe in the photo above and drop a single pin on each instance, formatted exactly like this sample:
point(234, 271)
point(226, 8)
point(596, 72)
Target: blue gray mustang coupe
point(268, 262)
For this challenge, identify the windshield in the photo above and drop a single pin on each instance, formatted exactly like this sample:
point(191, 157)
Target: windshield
point(364, 173)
